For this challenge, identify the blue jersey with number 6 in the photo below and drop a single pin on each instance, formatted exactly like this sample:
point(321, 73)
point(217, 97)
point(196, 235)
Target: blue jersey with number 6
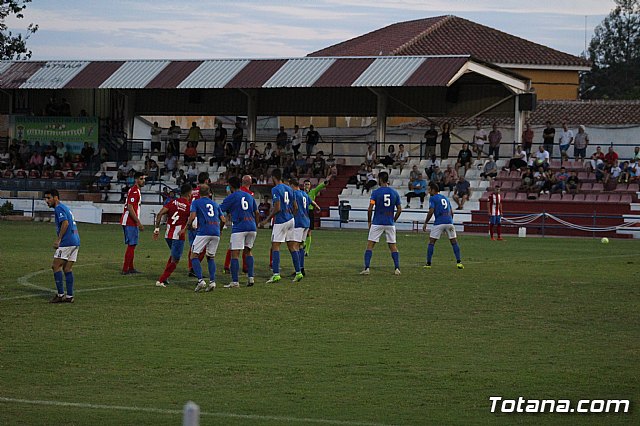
point(385, 199)
point(241, 206)
point(441, 209)
point(284, 194)
point(208, 214)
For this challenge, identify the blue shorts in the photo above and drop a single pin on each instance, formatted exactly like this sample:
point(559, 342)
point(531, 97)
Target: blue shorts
point(131, 235)
point(176, 247)
point(192, 236)
point(494, 220)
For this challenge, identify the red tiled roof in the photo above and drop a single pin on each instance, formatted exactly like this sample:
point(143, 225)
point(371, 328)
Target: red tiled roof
point(451, 35)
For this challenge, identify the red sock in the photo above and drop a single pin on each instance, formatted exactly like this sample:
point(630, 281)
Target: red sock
point(201, 255)
point(245, 268)
point(128, 258)
point(227, 260)
point(270, 258)
point(171, 266)
point(499, 231)
point(491, 229)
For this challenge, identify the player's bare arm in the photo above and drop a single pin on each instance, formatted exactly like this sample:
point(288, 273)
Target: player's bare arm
point(295, 207)
point(429, 215)
point(163, 211)
point(192, 217)
point(63, 230)
point(370, 212)
point(274, 211)
point(315, 205)
point(398, 212)
point(135, 217)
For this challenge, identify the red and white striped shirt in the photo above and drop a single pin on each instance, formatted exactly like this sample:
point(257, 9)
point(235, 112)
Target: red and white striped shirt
point(177, 216)
point(495, 204)
point(133, 199)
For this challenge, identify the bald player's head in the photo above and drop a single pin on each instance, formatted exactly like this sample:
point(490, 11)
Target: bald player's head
point(247, 180)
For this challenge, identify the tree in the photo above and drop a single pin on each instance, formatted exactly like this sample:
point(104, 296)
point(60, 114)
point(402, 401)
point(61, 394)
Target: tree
point(615, 55)
point(14, 46)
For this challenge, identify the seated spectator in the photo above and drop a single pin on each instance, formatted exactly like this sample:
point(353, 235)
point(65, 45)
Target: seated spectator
point(634, 170)
point(34, 174)
point(450, 177)
point(319, 166)
point(77, 164)
point(362, 176)
point(181, 179)
point(371, 180)
point(432, 163)
point(153, 171)
point(192, 173)
point(598, 155)
point(541, 159)
point(465, 156)
point(5, 158)
point(519, 159)
point(561, 179)
point(124, 169)
point(331, 161)
point(611, 157)
point(611, 178)
point(190, 153)
point(437, 177)
point(278, 156)
point(402, 157)
point(235, 166)
point(7, 173)
point(262, 180)
point(267, 155)
point(104, 184)
point(229, 152)
point(87, 152)
point(390, 158)
point(50, 160)
point(636, 153)
point(413, 174)
point(289, 168)
point(264, 208)
point(57, 174)
point(542, 183)
point(170, 163)
point(417, 188)
point(461, 192)
point(600, 171)
point(36, 161)
point(490, 169)
point(527, 181)
point(624, 173)
point(371, 158)
point(301, 164)
point(572, 183)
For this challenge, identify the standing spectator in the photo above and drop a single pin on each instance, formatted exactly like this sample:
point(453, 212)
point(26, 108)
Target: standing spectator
point(371, 158)
point(429, 147)
point(566, 138)
point(527, 139)
point(401, 157)
point(156, 133)
point(390, 158)
point(495, 137)
point(464, 157)
point(490, 169)
point(636, 153)
point(282, 138)
point(87, 152)
point(445, 140)
point(195, 135)
point(548, 137)
point(461, 192)
point(611, 157)
point(65, 108)
point(580, 144)
point(174, 133)
point(236, 136)
point(313, 137)
point(296, 141)
point(220, 137)
point(450, 177)
point(479, 138)
point(417, 188)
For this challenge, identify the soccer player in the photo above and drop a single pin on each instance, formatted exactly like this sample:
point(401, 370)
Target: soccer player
point(386, 200)
point(284, 207)
point(131, 224)
point(301, 220)
point(313, 193)
point(209, 217)
point(66, 246)
point(440, 206)
point(243, 209)
point(247, 180)
point(177, 212)
point(495, 212)
point(203, 178)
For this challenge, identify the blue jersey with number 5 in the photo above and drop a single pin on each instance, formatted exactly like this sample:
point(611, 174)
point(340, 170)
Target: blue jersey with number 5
point(208, 214)
point(241, 206)
point(385, 199)
point(284, 194)
point(441, 209)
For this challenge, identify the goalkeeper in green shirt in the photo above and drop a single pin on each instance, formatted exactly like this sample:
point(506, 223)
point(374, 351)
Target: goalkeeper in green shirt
point(313, 193)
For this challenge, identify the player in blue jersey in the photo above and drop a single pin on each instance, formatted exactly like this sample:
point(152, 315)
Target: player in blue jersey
point(440, 207)
point(284, 207)
point(302, 220)
point(385, 207)
point(243, 209)
point(203, 178)
point(210, 218)
point(66, 246)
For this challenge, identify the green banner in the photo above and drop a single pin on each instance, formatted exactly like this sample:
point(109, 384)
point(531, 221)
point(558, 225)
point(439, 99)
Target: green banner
point(72, 131)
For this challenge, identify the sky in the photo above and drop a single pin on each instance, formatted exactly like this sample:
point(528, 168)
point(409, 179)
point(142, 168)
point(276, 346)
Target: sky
point(192, 29)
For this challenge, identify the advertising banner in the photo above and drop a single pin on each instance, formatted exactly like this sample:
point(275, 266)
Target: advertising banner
point(72, 131)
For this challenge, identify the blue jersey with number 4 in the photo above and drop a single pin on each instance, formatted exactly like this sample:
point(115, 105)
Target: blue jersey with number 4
point(284, 194)
point(386, 200)
point(71, 237)
point(241, 206)
point(208, 214)
point(302, 217)
point(441, 209)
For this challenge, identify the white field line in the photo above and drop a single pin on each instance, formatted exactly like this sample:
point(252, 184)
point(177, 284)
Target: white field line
point(179, 412)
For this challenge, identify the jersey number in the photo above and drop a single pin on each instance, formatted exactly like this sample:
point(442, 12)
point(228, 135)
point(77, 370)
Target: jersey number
point(210, 212)
point(175, 218)
point(445, 204)
point(286, 198)
point(244, 203)
point(304, 202)
point(387, 200)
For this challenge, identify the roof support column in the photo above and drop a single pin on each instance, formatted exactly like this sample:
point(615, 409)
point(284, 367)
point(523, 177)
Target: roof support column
point(381, 125)
point(518, 121)
point(252, 116)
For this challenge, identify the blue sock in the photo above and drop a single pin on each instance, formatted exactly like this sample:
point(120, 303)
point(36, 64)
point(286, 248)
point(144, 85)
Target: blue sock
point(368, 254)
point(275, 262)
point(68, 277)
point(235, 268)
point(249, 261)
point(429, 253)
point(296, 261)
point(197, 267)
point(396, 259)
point(456, 251)
point(212, 268)
point(57, 276)
point(301, 258)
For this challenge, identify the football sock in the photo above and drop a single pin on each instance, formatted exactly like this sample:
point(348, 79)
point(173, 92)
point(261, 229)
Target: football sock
point(499, 230)
point(68, 277)
point(456, 251)
point(168, 270)
point(168, 262)
point(57, 276)
point(212, 268)
point(249, 264)
point(276, 262)
point(491, 229)
point(197, 267)
point(227, 260)
point(190, 263)
point(368, 254)
point(271, 258)
point(307, 244)
point(244, 262)
point(396, 259)
point(128, 258)
point(430, 248)
point(301, 258)
point(201, 257)
point(235, 267)
point(296, 261)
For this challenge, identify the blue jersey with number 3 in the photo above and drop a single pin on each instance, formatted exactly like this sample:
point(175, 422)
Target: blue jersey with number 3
point(386, 199)
point(208, 214)
point(241, 206)
point(441, 209)
point(284, 194)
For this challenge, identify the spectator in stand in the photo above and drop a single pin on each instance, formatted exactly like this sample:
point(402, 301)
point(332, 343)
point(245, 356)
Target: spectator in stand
point(613, 177)
point(235, 165)
point(580, 143)
point(36, 161)
point(267, 155)
point(21, 173)
point(190, 153)
point(445, 140)
point(401, 157)
point(634, 170)
point(51, 161)
point(464, 157)
point(490, 169)
point(174, 133)
point(262, 180)
point(264, 208)
point(181, 179)
point(104, 184)
point(7, 173)
point(413, 174)
point(598, 155)
point(251, 157)
point(228, 154)
point(5, 158)
point(519, 159)
point(371, 180)
point(236, 136)
point(600, 170)
point(572, 183)
point(450, 177)
point(432, 162)
point(282, 138)
point(156, 135)
point(170, 163)
point(479, 139)
point(541, 159)
point(548, 137)
point(417, 188)
point(390, 158)
point(429, 146)
point(495, 137)
point(461, 192)
point(565, 140)
point(611, 157)
point(371, 158)
point(24, 151)
point(34, 174)
point(87, 152)
point(319, 166)
point(636, 153)
point(361, 176)
point(541, 182)
point(527, 139)
point(153, 171)
point(192, 173)
point(289, 168)
point(313, 137)
point(296, 141)
point(561, 179)
point(527, 181)
point(437, 177)
point(195, 135)
point(624, 173)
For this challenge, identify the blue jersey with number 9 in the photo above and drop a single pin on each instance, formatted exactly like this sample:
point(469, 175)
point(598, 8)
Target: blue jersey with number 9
point(441, 209)
point(208, 214)
point(385, 199)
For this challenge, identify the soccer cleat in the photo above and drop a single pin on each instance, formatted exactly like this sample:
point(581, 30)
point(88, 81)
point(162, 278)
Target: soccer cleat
point(251, 282)
point(427, 266)
point(211, 286)
point(274, 279)
point(134, 271)
point(201, 286)
point(304, 274)
point(232, 285)
point(493, 239)
point(57, 299)
point(160, 284)
point(227, 271)
point(365, 271)
point(298, 277)
point(192, 274)
point(397, 272)
point(460, 265)
point(500, 239)
point(68, 299)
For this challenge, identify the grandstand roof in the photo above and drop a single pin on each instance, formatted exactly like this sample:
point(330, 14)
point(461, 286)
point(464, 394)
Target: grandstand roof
point(377, 71)
point(451, 35)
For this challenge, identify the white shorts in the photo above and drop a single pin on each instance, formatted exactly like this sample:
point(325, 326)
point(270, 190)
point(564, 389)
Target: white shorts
point(69, 253)
point(283, 232)
point(300, 234)
point(240, 240)
point(208, 242)
point(376, 232)
point(448, 228)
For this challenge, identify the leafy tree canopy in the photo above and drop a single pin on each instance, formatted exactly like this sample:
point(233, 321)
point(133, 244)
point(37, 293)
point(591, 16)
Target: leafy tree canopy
point(14, 46)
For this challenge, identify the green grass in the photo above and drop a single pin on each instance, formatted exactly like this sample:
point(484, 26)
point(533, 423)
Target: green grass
point(538, 318)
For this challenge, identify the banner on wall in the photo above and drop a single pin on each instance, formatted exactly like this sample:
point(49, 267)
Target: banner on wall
point(71, 131)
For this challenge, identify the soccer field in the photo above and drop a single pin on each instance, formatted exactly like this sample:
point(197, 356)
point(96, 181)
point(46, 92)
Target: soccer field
point(538, 318)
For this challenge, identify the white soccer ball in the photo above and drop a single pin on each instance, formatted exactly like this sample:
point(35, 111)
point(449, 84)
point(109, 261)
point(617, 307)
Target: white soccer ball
point(604, 240)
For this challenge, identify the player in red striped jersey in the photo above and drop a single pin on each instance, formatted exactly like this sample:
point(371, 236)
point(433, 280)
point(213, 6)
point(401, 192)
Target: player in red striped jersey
point(203, 178)
point(495, 212)
point(131, 223)
point(177, 212)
